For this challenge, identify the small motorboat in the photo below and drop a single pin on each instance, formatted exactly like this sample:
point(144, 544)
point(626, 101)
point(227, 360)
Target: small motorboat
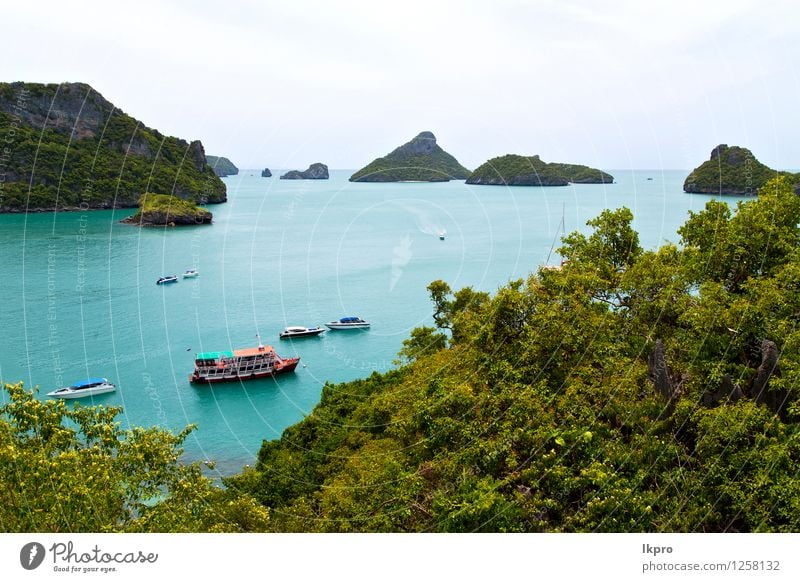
point(298, 331)
point(167, 279)
point(190, 274)
point(441, 235)
point(348, 323)
point(90, 387)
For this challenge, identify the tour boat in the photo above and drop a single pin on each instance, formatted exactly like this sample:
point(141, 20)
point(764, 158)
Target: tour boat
point(190, 274)
point(298, 331)
point(167, 279)
point(348, 323)
point(244, 364)
point(90, 387)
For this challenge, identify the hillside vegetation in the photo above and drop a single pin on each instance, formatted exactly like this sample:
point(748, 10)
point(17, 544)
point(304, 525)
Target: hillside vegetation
point(630, 390)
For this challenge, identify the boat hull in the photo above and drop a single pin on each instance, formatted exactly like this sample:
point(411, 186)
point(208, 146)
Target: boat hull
point(71, 394)
point(285, 367)
point(348, 325)
point(310, 333)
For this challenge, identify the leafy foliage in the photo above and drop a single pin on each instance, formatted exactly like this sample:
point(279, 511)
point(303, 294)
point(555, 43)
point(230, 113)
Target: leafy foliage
point(515, 170)
point(75, 470)
point(542, 413)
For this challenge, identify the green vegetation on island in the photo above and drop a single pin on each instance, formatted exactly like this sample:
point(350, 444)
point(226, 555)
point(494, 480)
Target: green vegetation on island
point(420, 160)
point(317, 171)
point(628, 390)
point(731, 170)
point(68, 469)
point(66, 147)
point(515, 170)
point(222, 166)
point(166, 210)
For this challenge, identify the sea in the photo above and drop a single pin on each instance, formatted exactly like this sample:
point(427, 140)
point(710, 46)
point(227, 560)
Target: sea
point(79, 296)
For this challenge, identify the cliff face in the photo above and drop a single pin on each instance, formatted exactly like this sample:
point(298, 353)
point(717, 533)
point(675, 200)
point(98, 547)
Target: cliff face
point(730, 170)
point(222, 166)
point(316, 171)
point(419, 160)
point(67, 147)
point(515, 170)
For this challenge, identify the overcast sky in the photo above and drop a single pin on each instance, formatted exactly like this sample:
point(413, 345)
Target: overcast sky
point(624, 84)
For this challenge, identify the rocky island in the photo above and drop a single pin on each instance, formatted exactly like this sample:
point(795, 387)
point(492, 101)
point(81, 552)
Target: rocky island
point(515, 170)
point(314, 172)
point(166, 210)
point(65, 147)
point(731, 170)
point(420, 160)
point(265, 173)
point(222, 166)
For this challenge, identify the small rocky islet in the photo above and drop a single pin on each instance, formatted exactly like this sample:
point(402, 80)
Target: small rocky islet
point(419, 160)
point(265, 173)
point(516, 170)
point(734, 171)
point(317, 171)
point(166, 210)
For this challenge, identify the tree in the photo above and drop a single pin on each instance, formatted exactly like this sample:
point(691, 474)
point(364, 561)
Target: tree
point(69, 469)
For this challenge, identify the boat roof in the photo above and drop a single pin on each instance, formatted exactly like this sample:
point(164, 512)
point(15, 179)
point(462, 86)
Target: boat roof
point(253, 351)
point(89, 382)
point(213, 355)
point(349, 319)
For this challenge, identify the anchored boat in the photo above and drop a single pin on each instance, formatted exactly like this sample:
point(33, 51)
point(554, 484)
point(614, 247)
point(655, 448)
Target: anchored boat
point(167, 279)
point(245, 364)
point(348, 323)
point(298, 331)
point(90, 387)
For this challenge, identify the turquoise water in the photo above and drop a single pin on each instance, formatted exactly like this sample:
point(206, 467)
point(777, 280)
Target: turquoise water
point(80, 299)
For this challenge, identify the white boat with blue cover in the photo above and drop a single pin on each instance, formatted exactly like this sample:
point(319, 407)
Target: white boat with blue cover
point(348, 323)
point(89, 387)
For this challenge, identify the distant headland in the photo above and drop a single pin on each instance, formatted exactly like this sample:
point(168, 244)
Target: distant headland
point(222, 166)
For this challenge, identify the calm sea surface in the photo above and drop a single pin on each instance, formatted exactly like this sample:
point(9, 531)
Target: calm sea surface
point(79, 296)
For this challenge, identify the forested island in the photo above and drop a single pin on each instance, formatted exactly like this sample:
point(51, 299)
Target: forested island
point(419, 160)
point(222, 166)
point(629, 390)
point(317, 171)
point(731, 170)
point(516, 170)
point(67, 147)
point(166, 210)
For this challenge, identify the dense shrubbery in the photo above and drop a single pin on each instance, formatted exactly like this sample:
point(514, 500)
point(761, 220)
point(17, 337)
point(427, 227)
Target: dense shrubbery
point(69, 469)
point(630, 390)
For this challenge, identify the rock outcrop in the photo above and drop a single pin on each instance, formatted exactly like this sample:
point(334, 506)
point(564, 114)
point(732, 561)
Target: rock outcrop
point(66, 147)
point(222, 166)
point(165, 210)
point(316, 171)
point(731, 170)
point(516, 170)
point(265, 173)
point(420, 160)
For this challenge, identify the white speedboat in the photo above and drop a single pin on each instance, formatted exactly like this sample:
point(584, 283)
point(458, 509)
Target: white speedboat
point(90, 387)
point(441, 235)
point(190, 274)
point(348, 323)
point(298, 331)
point(167, 279)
